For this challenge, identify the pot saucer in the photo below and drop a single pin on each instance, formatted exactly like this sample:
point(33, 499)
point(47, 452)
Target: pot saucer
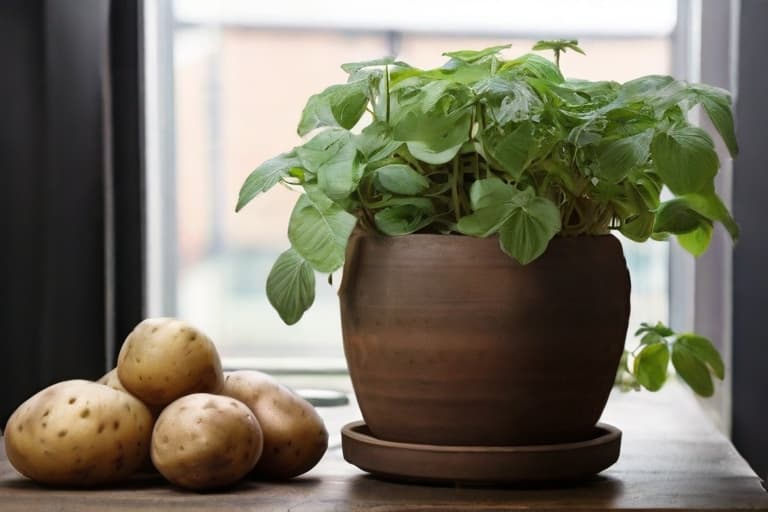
point(480, 465)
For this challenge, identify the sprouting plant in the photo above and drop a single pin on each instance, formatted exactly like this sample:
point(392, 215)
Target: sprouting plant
point(695, 359)
point(487, 146)
point(559, 46)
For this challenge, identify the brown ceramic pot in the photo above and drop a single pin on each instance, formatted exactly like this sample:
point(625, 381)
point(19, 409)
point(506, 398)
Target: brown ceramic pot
point(449, 341)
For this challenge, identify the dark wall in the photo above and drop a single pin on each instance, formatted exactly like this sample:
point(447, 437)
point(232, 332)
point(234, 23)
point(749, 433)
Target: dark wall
point(23, 209)
point(750, 259)
point(71, 252)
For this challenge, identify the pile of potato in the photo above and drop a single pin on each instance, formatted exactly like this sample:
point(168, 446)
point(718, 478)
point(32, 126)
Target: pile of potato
point(167, 405)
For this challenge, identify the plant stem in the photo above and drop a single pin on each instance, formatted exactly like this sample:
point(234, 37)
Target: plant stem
point(386, 78)
point(557, 58)
point(455, 189)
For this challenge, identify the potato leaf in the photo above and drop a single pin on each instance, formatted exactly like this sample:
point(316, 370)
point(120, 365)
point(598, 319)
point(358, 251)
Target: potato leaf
point(266, 176)
point(291, 286)
point(659, 329)
point(685, 158)
point(402, 220)
point(616, 158)
point(375, 142)
point(527, 232)
point(692, 370)
point(704, 351)
point(319, 230)
point(334, 158)
point(651, 366)
point(696, 241)
point(401, 179)
point(470, 56)
point(513, 149)
point(339, 105)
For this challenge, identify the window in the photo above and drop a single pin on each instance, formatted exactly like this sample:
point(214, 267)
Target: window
point(226, 84)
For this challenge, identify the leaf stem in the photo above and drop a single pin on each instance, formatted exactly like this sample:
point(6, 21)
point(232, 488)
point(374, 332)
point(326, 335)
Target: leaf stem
point(455, 188)
point(386, 78)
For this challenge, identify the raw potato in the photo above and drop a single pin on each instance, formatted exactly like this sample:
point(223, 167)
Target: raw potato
point(78, 433)
point(113, 381)
point(295, 437)
point(163, 359)
point(205, 441)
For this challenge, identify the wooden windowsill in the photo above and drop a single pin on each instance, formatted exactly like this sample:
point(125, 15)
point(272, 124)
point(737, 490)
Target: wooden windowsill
point(672, 459)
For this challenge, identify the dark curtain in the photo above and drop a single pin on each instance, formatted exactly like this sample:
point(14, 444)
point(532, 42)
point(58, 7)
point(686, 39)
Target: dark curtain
point(750, 276)
point(70, 197)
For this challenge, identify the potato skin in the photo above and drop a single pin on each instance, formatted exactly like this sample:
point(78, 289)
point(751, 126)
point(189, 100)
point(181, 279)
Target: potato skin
point(204, 441)
point(295, 437)
point(80, 434)
point(163, 359)
point(112, 380)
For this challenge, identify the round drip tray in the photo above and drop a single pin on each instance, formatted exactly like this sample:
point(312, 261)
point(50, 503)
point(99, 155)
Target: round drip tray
point(481, 465)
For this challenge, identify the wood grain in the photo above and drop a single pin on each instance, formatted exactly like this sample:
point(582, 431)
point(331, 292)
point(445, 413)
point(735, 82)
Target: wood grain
point(672, 459)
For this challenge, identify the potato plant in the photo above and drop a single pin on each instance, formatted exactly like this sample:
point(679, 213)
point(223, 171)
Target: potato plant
point(486, 146)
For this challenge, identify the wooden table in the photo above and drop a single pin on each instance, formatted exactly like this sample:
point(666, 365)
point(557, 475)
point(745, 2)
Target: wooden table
point(672, 459)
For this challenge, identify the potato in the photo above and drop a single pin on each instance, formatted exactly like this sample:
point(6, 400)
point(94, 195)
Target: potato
point(163, 359)
point(113, 381)
point(205, 441)
point(78, 433)
point(295, 437)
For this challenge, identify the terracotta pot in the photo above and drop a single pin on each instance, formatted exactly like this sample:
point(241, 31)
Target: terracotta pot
point(449, 341)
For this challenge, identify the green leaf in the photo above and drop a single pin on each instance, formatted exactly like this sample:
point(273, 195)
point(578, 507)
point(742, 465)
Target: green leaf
point(339, 105)
point(402, 220)
point(334, 158)
point(423, 152)
point(526, 223)
point(535, 66)
point(437, 116)
point(660, 329)
point(511, 150)
point(710, 206)
point(690, 368)
point(685, 159)
point(697, 241)
point(470, 56)
point(704, 351)
point(676, 216)
point(650, 338)
point(266, 176)
point(375, 141)
point(616, 158)
point(717, 104)
point(509, 99)
point(291, 286)
point(527, 232)
point(638, 228)
point(559, 45)
point(401, 179)
point(651, 366)
point(689, 212)
point(493, 191)
point(493, 202)
point(319, 230)
point(352, 67)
